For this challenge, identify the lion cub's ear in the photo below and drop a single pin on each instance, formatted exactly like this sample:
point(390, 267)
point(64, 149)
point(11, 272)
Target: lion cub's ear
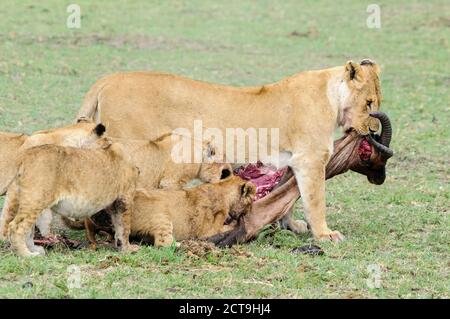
point(100, 130)
point(248, 189)
point(353, 73)
point(104, 143)
point(210, 151)
point(210, 154)
point(84, 119)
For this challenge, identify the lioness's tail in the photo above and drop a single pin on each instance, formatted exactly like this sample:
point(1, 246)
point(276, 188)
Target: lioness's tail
point(89, 111)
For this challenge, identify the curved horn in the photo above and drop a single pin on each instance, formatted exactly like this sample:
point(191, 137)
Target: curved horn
point(385, 151)
point(386, 131)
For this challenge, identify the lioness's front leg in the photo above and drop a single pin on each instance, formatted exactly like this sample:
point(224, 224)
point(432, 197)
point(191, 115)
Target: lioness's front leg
point(310, 176)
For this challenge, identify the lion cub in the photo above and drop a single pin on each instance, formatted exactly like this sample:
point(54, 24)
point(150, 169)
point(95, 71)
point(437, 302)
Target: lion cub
point(81, 135)
point(72, 182)
point(197, 212)
point(158, 170)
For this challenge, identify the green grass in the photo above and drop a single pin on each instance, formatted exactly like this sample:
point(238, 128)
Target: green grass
point(401, 226)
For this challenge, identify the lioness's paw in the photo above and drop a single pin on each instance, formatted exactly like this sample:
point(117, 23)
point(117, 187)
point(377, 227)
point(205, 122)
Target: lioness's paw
point(331, 235)
point(298, 226)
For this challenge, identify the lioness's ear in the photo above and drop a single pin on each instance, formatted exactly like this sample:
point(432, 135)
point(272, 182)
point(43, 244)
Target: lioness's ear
point(371, 63)
point(100, 129)
point(353, 71)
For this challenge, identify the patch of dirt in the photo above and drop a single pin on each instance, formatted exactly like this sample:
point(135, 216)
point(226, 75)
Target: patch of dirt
point(118, 41)
point(198, 248)
point(201, 249)
point(240, 252)
point(109, 261)
point(312, 32)
point(441, 22)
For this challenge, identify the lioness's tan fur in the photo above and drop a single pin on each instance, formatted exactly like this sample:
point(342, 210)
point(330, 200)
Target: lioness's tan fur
point(77, 183)
point(158, 169)
point(197, 212)
point(305, 107)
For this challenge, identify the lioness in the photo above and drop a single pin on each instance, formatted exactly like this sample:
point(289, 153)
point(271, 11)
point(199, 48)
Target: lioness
point(72, 182)
point(158, 169)
point(165, 215)
point(12, 145)
point(305, 107)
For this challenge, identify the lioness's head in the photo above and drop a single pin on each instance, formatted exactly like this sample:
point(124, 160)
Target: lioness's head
point(360, 94)
point(81, 135)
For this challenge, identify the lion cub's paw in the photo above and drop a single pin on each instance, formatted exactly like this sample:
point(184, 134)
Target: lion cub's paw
point(131, 248)
point(39, 250)
point(298, 226)
point(332, 235)
point(32, 254)
point(4, 233)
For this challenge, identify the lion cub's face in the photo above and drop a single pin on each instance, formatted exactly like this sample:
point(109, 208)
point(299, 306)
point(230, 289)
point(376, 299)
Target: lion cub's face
point(361, 94)
point(212, 171)
point(242, 203)
point(215, 172)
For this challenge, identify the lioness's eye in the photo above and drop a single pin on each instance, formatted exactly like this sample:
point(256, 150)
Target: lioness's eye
point(369, 105)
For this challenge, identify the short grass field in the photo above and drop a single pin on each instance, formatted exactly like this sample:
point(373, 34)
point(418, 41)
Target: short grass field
point(397, 234)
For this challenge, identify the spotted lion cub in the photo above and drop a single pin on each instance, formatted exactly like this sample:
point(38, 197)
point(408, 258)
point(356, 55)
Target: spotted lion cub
point(198, 212)
point(72, 182)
